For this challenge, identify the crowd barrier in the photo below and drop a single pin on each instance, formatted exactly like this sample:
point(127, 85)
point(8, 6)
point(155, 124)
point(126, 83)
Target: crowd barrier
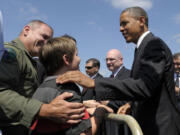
point(126, 119)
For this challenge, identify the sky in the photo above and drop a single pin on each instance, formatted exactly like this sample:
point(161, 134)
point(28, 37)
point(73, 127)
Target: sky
point(93, 23)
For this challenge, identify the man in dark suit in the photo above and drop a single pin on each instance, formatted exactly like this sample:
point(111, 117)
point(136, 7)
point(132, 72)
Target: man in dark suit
point(176, 59)
point(152, 78)
point(114, 62)
point(88, 95)
point(92, 69)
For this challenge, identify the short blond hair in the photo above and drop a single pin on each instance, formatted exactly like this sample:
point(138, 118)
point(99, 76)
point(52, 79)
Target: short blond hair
point(36, 23)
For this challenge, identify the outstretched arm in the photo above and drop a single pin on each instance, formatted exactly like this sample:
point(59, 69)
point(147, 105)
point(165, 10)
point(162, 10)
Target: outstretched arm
point(77, 77)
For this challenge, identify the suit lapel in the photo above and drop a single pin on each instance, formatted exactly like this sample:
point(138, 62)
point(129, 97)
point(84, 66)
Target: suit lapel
point(139, 52)
point(97, 75)
point(120, 72)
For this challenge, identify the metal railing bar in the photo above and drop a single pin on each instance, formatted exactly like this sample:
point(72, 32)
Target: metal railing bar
point(127, 119)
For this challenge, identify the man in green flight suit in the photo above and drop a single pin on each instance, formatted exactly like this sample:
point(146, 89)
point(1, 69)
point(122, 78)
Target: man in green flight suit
point(18, 81)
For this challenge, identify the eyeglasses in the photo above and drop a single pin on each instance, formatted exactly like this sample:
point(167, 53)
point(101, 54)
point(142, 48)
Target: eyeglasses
point(88, 67)
point(110, 59)
point(177, 63)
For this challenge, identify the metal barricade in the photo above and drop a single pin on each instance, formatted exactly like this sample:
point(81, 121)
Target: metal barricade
point(127, 119)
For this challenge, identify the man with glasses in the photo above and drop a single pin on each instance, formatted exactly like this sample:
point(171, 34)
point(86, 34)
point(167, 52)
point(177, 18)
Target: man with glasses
point(114, 62)
point(92, 70)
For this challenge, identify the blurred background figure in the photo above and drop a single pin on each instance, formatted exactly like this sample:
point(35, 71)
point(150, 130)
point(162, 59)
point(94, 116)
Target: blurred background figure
point(1, 36)
point(1, 43)
point(176, 59)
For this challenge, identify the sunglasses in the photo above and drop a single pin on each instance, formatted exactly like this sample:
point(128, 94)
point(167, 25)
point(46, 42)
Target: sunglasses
point(88, 67)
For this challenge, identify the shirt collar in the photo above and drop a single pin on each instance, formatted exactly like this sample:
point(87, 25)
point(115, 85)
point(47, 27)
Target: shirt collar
point(141, 38)
point(50, 78)
point(94, 75)
point(116, 72)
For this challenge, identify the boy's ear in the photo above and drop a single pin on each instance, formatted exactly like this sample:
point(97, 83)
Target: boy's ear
point(65, 59)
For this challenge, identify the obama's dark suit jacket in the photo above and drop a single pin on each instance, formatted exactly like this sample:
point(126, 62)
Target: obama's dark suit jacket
point(151, 84)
